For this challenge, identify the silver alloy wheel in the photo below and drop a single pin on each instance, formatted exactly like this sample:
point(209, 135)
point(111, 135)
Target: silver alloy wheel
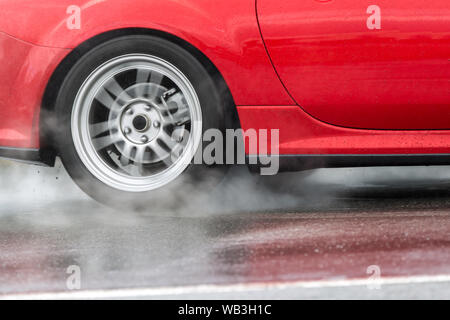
point(136, 123)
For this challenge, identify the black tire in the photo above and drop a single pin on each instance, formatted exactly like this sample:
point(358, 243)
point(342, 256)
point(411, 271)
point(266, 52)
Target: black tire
point(196, 178)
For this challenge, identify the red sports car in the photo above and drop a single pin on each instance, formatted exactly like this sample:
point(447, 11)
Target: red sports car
point(125, 91)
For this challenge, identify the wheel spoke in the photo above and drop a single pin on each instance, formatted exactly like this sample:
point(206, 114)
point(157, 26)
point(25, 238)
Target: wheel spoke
point(139, 159)
point(155, 79)
point(141, 78)
point(168, 107)
point(168, 141)
point(161, 153)
point(116, 89)
point(99, 128)
point(105, 98)
point(142, 75)
point(106, 141)
point(126, 155)
point(137, 168)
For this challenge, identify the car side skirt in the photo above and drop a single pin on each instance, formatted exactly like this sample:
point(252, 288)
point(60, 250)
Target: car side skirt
point(290, 163)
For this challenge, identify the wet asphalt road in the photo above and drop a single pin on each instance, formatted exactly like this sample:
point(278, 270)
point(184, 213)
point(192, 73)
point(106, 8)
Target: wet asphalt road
point(304, 235)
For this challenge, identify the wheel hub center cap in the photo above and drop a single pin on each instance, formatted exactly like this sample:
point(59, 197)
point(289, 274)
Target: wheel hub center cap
point(140, 123)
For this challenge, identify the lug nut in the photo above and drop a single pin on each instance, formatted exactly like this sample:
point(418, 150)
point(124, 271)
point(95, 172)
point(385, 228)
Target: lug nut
point(130, 112)
point(148, 108)
point(127, 131)
point(156, 124)
point(144, 139)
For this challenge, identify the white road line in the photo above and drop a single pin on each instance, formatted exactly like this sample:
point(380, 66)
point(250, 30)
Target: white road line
point(211, 289)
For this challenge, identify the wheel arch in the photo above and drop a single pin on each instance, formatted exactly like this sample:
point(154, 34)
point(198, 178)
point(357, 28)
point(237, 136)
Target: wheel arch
point(47, 117)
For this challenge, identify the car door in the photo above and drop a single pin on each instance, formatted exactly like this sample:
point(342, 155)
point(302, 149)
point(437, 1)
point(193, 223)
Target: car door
point(374, 64)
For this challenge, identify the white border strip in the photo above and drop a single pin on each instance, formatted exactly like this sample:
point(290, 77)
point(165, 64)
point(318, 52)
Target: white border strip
point(131, 293)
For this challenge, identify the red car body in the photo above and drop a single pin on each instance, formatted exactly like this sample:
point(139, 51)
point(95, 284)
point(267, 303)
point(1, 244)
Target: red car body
point(312, 69)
